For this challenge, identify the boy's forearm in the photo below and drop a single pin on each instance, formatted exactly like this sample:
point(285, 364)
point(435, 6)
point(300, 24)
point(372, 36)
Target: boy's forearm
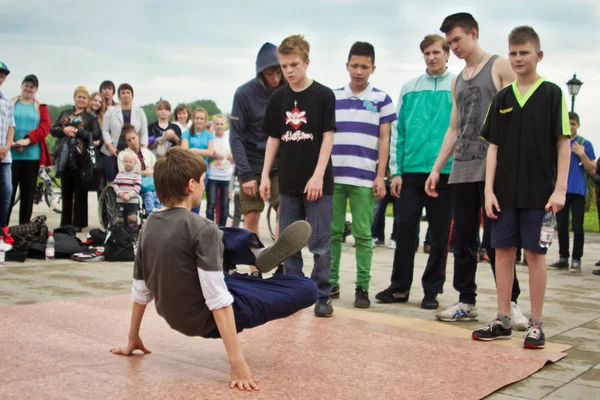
point(226, 325)
point(384, 149)
point(588, 165)
point(490, 168)
point(10, 136)
point(137, 313)
point(270, 153)
point(564, 157)
point(324, 154)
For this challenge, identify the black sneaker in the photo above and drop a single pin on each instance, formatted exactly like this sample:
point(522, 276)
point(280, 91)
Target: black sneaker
point(335, 292)
point(390, 295)
point(430, 302)
point(596, 272)
point(323, 308)
point(535, 338)
point(562, 263)
point(361, 298)
point(493, 331)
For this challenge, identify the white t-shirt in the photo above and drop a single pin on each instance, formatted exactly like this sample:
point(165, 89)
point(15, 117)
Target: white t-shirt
point(221, 170)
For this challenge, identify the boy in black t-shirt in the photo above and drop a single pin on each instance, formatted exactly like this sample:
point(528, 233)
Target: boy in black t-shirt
point(526, 175)
point(300, 122)
point(184, 275)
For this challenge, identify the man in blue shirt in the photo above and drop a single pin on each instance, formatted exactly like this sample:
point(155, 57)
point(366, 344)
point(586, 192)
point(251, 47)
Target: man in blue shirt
point(582, 161)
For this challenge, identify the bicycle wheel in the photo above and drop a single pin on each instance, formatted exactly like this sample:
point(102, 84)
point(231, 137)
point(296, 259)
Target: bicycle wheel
point(17, 197)
point(272, 221)
point(53, 199)
point(107, 208)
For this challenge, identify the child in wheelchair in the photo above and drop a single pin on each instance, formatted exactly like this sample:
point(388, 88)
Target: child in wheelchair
point(127, 185)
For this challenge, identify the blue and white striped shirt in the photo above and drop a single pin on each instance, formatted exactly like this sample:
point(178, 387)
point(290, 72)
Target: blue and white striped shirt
point(356, 141)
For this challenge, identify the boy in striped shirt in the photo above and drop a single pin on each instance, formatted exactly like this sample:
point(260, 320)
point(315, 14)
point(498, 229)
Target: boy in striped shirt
point(361, 143)
point(127, 187)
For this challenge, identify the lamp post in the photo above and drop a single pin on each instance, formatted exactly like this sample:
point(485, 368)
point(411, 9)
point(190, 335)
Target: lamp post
point(574, 85)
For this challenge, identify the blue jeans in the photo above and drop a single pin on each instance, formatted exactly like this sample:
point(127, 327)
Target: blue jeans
point(5, 192)
point(150, 202)
point(212, 188)
point(319, 215)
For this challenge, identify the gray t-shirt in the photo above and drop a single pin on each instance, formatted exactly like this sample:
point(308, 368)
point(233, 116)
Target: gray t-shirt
point(174, 245)
point(473, 98)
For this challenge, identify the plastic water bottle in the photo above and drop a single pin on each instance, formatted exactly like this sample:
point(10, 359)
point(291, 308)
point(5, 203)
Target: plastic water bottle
point(50, 247)
point(2, 250)
point(547, 231)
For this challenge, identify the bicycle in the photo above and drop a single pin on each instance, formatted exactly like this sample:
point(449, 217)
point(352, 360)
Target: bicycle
point(48, 187)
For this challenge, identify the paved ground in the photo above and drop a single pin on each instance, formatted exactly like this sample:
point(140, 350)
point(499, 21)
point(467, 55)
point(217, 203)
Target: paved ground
point(572, 311)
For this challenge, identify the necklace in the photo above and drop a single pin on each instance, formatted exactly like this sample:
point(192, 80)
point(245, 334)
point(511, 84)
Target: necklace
point(474, 70)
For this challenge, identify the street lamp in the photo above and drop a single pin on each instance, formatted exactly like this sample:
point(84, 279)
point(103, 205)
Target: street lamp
point(574, 85)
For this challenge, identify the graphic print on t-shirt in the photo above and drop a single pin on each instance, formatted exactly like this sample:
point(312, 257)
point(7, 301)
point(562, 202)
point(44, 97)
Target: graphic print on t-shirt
point(470, 146)
point(296, 118)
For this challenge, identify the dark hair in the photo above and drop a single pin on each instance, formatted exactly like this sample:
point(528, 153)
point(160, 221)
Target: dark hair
point(462, 20)
point(362, 49)
point(125, 86)
point(573, 116)
point(128, 128)
point(524, 34)
point(173, 172)
point(109, 84)
point(431, 39)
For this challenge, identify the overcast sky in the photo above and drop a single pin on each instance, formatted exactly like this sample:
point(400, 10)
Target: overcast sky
point(185, 50)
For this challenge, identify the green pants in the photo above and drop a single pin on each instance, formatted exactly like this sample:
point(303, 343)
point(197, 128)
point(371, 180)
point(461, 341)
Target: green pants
point(361, 206)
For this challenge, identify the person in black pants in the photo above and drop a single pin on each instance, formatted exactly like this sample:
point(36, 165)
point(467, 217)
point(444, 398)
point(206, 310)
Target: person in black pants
point(75, 127)
point(582, 161)
point(378, 226)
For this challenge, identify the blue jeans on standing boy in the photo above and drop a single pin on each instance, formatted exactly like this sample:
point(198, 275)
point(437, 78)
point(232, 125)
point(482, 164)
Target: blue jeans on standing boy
point(5, 192)
point(222, 188)
point(318, 214)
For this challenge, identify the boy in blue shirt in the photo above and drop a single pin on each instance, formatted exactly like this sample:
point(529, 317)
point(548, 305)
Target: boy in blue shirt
point(582, 161)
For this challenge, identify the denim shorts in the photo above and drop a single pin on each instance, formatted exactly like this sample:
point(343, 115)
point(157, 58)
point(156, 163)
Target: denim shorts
point(518, 228)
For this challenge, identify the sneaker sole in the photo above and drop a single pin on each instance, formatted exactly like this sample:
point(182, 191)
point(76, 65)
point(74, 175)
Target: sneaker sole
point(533, 346)
point(362, 305)
point(430, 306)
point(401, 300)
point(324, 315)
point(290, 241)
point(475, 337)
point(574, 271)
point(335, 295)
point(463, 319)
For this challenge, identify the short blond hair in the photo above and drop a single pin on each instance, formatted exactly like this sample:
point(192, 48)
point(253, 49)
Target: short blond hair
point(81, 89)
point(295, 44)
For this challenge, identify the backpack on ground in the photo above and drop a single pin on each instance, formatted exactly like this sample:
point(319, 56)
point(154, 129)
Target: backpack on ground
point(35, 231)
point(118, 245)
point(66, 243)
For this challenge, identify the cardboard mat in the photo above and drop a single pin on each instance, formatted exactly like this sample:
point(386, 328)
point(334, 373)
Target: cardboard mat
point(60, 350)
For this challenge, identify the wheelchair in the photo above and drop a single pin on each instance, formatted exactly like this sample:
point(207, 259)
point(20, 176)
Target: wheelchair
point(108, 210)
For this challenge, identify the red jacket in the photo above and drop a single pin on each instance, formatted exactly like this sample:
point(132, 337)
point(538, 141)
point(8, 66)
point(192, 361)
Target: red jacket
point(38, 135)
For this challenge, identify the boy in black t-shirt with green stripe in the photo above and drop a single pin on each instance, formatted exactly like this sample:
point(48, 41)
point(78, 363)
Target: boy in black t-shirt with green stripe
point(526, 174)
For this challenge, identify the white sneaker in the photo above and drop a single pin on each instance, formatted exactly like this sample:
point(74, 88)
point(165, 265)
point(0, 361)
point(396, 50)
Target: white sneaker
point(458, 312)
point(392, 244)
point(519, 321)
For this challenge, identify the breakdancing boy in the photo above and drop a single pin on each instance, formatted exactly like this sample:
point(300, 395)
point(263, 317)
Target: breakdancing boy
point(185, 273)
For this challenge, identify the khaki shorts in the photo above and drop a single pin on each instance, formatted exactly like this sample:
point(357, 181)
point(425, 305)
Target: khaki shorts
point(256, 203)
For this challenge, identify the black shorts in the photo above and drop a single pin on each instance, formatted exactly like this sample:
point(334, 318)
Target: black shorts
point(519, 228)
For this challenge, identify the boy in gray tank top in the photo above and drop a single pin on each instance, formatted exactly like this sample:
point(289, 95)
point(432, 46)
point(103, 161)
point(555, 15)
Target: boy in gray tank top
point(472, 93)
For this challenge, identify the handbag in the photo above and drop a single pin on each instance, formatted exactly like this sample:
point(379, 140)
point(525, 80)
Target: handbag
point(90, 170)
